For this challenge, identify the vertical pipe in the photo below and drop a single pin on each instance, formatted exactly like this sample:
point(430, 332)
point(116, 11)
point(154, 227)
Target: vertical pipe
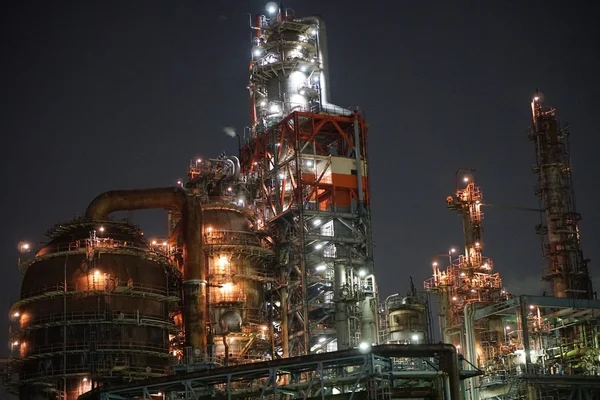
point(341, 311)
point(523, 307)
point(359, 166)
point(194, 277)
point(368, 330)
point(285, 334)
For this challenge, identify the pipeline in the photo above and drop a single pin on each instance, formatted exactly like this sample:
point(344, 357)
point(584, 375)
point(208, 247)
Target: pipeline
point(446, 353)
point(194, 272)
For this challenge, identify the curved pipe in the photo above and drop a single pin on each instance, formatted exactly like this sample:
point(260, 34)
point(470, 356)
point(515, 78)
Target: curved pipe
point(194, 272)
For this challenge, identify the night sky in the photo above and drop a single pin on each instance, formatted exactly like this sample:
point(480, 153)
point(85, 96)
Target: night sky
point(101, 95)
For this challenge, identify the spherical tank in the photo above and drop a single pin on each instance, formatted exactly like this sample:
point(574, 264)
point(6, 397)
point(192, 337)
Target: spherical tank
point(112, 321)
point(407, 322)
point(237, 261)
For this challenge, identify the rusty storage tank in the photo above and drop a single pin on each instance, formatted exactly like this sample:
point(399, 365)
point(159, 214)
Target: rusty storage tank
point(110, 323)
point(238, 272)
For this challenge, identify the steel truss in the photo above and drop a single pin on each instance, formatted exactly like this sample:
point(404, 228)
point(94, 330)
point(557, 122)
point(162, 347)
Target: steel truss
point(376, 374)
point(316, 221)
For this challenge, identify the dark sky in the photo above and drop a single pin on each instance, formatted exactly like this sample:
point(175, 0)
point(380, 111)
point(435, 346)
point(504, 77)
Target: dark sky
point(100, 95)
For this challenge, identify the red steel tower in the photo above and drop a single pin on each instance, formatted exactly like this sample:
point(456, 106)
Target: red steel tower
point(566, 268)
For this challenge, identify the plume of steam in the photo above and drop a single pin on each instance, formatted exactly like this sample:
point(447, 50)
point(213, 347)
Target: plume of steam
point(229, 131)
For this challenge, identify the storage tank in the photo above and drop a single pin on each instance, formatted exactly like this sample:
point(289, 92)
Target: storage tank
point(94, 308)
point(237, 274)
point(407, 318)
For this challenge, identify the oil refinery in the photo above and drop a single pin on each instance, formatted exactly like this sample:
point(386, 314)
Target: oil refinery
point(264, 284)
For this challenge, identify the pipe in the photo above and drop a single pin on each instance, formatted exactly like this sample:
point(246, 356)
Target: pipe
point(368, 328)
point(359, 165)
point(324, 64)
point(341, 308)
point(194, 275)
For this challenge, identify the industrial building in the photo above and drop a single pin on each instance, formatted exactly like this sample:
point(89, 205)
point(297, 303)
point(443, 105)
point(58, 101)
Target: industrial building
point(265, 283)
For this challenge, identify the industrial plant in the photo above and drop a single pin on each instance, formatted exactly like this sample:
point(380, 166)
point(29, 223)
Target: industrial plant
point(264, 285)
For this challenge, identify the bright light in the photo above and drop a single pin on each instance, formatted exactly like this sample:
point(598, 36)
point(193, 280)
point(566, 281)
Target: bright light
point(303, 68)
point(16, 315)
point(462, 274)
point(485, 265)
point(466, 179)
point(209, 228)
point(85, 379)
point(229, 189)
point(435, 264)
point(96, 273)
point(275, 108)
point(271, 7)
point(240, 202)
point(414, 338)
point(454, 298)
point(531, 307)
point(24, 247)
point(321, 267)
point(309, 163)
point(536, 98)
point(319, 246)
point(101, 229)
point(256, 52)
point(263, 103)
point(179, 182)
point(453, 250)
point(322, 339)
point(362, 273)
point(313, 31)
point(281, 176)
point(364, 346)
point(507, 327)
point(317, 222)
point(198, 161)
point(227, 286)
point(164, 243)
point(15, 343)
point(154, 243)
point(264, 327)
point(476, 244)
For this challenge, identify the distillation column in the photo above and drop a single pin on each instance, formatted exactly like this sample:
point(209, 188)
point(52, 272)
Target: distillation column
point(567, 269)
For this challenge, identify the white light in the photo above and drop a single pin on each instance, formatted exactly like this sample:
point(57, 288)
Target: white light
point(257, 52)
point(303, 68)
point(362, 273)
point(319, 246)
point(322, 339)
point(85, 379)
point(435, 264)
point(96, 273)
point(16, 315)
point(317, 222)
point(179, 182)
point(154, 242)
point(415, 338)
point(263, 103)
point(15, 343)
point(452, 250)
point(507, 327)
point(198, 161)
point(227, 286)
point(310, 163)
point(466, 179)
point(281, 176)
point(272, 7)
point(164, 243)
point(274, 108)
point(229, 189)
point(101, 229)
point(536, 98)
point(240, 202)
point(476, 244)
point(531, 307)
point(364, 346)
point(454, 298)
point(313, 31)
point(485, 265)
point(302, 92)
point(321, 267)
